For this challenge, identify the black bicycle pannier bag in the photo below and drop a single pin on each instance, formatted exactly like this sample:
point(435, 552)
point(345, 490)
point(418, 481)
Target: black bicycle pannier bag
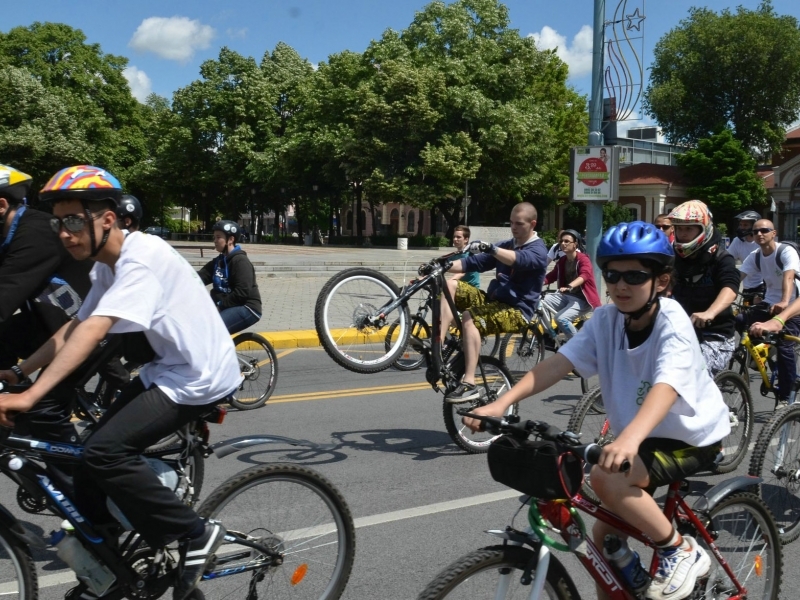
point(532, 467)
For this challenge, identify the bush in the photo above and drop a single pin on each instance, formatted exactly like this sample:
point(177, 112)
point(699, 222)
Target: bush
point(549, 237)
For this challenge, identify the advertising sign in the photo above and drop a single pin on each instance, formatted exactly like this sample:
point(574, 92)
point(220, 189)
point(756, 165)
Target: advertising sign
point(594, 173)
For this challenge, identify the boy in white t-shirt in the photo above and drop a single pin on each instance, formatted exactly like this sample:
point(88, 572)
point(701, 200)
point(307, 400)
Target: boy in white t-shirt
point(741, 247)
point(139, 284)
point(657, 393)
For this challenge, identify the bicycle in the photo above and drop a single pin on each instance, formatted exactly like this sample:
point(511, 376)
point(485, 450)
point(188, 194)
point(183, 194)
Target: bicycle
point(258, 364)
point(523, 350)
point(734, 527)
point(762, 358)
point(352, 316)
point(289, 528)
point(411, 359)
point(589, 418)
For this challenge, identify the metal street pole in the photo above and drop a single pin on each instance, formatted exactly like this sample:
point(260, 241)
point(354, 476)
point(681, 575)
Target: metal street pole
point(594, 210)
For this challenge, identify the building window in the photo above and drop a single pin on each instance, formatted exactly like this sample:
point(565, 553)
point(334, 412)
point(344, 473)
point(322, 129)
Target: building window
point(410, 228)
point(635, 210)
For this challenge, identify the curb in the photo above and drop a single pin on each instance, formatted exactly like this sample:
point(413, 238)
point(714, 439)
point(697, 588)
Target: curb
point(307, 338)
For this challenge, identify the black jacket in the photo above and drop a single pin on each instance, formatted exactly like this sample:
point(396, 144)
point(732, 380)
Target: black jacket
point(33, 255)
point(234, 280)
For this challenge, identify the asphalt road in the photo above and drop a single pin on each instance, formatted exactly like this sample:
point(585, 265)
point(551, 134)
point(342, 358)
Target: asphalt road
point(419, 502)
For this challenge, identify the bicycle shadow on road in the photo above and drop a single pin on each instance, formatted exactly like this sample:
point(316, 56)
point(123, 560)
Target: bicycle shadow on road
point(417, 443)
point(325, 454)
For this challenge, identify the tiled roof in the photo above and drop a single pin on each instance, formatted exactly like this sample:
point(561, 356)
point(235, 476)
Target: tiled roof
point(793, 134)
point(649, 174)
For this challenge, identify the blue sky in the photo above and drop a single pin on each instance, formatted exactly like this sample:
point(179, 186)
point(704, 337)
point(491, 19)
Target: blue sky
point(167, 40)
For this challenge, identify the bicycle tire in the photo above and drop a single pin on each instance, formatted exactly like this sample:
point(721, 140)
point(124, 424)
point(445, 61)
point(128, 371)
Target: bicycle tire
point(343, 303)
point(780, 485)
point(589, 420)
point(743, 529)
point(259, 366)
point(499, 381)
point(588, 383)
point(490, 345)
point(409, 359)
point(736, 394)
point(291, 508)
point(18, 578)
point(476, 575)
point(520, 352)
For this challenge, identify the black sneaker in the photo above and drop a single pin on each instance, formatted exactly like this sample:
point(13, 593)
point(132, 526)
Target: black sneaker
point(195, 556)
point(463, 393)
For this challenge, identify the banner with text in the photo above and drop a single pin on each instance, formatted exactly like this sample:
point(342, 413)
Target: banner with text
point(594, 173)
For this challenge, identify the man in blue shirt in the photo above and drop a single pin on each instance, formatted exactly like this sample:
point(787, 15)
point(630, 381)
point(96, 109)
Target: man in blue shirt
point(511, 299)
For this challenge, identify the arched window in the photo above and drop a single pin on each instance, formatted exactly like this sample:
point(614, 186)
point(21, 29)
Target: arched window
point(410, 228)
point(635, 210)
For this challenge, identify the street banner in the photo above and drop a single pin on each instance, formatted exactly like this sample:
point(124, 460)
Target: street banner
point(594, 173)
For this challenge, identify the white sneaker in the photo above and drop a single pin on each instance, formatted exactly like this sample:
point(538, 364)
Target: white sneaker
point(678, 570)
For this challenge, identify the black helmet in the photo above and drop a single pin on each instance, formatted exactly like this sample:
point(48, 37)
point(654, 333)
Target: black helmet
point(575, 235)
point(748, 215)
point(229, 228)
point(129, 206)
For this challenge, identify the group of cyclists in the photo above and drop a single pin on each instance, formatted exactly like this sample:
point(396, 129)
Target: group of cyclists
point(70, 279)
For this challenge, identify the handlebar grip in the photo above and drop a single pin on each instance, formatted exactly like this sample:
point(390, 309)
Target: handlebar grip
point(592, 455)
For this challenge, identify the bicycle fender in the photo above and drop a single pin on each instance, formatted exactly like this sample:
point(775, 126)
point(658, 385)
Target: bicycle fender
point(19, 530)
point(712, 497)
point(515, 537)
point(227, 447)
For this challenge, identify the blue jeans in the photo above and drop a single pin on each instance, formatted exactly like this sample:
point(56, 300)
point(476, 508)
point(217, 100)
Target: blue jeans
point(237, 318)
point(567, 308)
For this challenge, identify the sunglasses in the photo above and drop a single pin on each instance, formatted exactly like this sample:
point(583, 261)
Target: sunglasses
point(763, 230)
point(72, 223)
point(664, 227)
point(629, 277)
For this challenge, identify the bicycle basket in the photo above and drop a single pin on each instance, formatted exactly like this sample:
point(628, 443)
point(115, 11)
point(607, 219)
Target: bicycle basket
point(538, 468)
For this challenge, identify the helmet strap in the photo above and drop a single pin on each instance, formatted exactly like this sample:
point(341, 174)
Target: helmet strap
point(95, 246)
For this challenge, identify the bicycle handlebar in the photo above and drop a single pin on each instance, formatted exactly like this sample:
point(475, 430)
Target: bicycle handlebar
point(511, 425)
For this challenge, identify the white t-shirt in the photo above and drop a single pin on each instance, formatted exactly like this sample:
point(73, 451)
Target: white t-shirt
point(153, 289)
point(771, 274)
point(671, 355)
point(740, 249)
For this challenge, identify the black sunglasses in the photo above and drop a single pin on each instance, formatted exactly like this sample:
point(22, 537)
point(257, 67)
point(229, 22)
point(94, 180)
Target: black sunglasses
point(72, 223)
point(664, 227)
point(763, 230)
point(630, 277)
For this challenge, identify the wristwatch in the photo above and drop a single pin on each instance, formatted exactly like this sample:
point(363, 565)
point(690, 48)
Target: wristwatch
point(18, 372)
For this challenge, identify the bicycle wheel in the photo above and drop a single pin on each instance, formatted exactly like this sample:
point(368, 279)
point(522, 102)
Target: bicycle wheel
point(520, 352)
point(776, 459)
point(495, 572)
point(342, 316)
point(737, 397)
point(589, 420)
point(411, 358)
point(17, 571)
point(490, 345)
point(293, 510)
point(588, 383)
point(498, 380)
point(259, 366)
point(745, 534)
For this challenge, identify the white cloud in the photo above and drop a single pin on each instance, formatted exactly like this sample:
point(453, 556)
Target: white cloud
point(238, 34)
point(140, 83)
point(578, 55)
point(174, 38)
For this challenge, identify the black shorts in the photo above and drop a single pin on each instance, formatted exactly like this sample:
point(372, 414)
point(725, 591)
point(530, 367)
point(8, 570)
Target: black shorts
point(669, 460)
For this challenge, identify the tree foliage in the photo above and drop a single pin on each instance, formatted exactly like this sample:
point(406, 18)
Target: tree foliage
point(723, 175)
point(738, 71)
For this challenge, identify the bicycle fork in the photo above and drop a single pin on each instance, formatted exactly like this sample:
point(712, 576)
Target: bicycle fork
point(535, 573)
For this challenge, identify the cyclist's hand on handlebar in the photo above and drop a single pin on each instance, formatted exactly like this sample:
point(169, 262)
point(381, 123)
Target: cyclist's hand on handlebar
point(616, 454)
point(771, 326)
point(9, 376)
point(491, 410)
point(702, 319)
point(11, 404)
point(478, 247)
point(426, 268)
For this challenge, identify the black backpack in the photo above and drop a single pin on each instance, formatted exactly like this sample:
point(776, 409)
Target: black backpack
point(778, 259)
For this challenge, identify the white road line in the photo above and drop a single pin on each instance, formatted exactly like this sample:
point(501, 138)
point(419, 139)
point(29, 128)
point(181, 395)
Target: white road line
point(63, 577)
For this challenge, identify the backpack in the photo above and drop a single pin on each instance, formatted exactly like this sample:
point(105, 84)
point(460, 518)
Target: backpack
point(778, 259)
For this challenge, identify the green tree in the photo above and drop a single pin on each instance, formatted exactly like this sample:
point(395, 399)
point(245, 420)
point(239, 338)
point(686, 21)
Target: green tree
point(723, 175)
point(729, 70)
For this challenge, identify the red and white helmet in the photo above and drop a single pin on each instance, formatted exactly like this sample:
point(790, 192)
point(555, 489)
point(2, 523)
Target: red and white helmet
point(692, 212)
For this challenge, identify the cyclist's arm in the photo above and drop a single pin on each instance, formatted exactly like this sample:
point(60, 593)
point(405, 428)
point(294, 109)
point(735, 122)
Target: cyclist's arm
point(207, 273)
point(788, 287)
point(774, 325)
point(543, 376)
point(457, 266)
point(723, 300)
point(241, 279)
point(656, 406)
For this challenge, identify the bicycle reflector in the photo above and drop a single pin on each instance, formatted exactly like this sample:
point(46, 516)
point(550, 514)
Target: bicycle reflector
point(299, 574)
point(758, 564)
point(217, 415)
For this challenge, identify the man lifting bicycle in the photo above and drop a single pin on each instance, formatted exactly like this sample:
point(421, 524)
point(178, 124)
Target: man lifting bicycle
point(509, 302)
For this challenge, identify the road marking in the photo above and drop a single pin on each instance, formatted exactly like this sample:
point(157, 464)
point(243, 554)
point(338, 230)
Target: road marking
point(285, 352)
point(384, 389)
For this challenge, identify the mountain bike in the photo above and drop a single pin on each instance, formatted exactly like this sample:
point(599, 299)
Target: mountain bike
point(258, 364)
point(734, 527)
point(355, 310)
point(290, 531)
point(523, 350)
point(762, 357)
point(411, 359)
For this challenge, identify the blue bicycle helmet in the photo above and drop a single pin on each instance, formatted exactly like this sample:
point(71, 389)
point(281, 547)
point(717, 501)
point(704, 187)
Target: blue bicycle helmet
point(637, 240)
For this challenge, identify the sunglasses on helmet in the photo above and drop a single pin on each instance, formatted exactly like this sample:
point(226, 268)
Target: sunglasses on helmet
point(72, 223)
point(629, 277)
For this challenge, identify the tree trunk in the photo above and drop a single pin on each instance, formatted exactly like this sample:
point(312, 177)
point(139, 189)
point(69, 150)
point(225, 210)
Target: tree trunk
point(357, 216)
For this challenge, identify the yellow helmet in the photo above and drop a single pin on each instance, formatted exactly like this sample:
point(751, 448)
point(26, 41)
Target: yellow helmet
point(14, 184)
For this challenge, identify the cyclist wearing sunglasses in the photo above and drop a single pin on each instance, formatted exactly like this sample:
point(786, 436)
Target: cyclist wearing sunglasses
point(741, 247)
point(139, 284)
point(778, 264)
point(663, 222)
point(41, 287)
point(706, 282)
point(657, 394)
